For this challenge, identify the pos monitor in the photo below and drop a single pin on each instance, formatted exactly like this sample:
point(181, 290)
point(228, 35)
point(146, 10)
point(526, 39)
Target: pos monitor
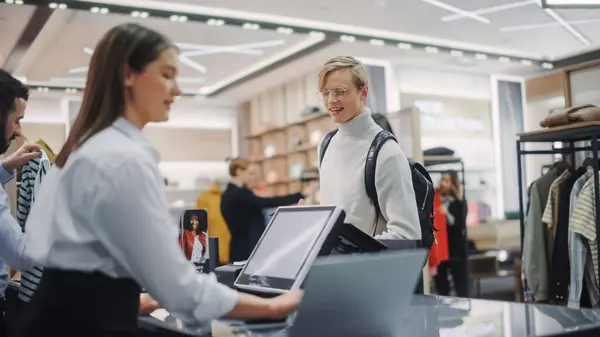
point(294, 238)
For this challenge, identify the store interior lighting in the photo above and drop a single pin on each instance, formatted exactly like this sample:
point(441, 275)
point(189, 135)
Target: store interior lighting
point(574, 4)
point(151, 9)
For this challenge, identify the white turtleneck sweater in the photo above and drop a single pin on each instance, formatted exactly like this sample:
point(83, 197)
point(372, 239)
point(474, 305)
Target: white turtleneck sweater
point(342, 181)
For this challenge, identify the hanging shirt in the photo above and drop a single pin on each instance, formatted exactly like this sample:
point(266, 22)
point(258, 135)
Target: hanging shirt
point(32, 175)
point(106, 211)
point(535, 251)
point(583, 226)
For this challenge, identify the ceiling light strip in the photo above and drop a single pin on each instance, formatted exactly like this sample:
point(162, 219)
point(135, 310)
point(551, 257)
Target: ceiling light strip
point(297, 48)
point(568, 27)
point(456, 10)
point(490, 10)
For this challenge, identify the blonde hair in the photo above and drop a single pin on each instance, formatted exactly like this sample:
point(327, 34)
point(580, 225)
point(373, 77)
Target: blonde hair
point(236, 164)
point(358, 69)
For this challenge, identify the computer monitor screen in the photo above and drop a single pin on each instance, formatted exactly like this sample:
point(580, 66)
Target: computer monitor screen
point(287, 248)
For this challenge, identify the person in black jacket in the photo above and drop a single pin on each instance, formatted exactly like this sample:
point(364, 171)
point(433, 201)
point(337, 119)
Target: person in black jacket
point(243, 210)
point(455, 208)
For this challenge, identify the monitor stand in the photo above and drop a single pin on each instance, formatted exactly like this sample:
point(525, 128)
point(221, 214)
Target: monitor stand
point(352, 240)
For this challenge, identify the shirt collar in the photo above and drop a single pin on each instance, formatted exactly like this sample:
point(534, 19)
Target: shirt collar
point(135, 134)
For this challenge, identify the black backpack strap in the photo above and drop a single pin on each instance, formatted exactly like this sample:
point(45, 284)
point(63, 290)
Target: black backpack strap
point(324, 144)
point(371, 166)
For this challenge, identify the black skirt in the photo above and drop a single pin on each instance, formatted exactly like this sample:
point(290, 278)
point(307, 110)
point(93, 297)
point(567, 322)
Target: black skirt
point(70, 303)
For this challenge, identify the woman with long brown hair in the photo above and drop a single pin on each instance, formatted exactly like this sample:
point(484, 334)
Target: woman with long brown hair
point(100, 224)
point(455, 209)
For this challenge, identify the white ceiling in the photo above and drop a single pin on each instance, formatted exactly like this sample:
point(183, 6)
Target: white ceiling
point(519, 28)
point(505, 30)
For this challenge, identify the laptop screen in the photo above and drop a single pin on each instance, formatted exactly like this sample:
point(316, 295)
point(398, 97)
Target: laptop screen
point(288, 246)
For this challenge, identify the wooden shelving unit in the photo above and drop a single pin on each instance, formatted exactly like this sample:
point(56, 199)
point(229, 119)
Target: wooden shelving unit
point(283, 152)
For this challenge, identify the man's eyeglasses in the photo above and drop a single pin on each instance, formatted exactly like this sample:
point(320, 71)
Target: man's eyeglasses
point(338, 93)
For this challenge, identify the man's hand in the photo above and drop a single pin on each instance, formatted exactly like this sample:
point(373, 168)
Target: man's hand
point(147, 305)
point(24, 154)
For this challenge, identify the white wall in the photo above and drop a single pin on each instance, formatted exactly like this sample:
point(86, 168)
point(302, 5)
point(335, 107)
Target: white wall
point(48, 108)
point(442, 83)
point(476, 152)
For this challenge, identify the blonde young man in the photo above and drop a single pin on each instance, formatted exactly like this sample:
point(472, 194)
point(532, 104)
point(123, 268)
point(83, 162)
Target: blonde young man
point(343, 89)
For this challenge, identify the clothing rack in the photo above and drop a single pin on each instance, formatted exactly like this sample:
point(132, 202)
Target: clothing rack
point(569, 135)
point(429, 161)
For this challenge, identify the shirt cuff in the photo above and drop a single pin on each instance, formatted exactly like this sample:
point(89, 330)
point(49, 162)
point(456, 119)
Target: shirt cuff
point(218, 302)
point(5, 175)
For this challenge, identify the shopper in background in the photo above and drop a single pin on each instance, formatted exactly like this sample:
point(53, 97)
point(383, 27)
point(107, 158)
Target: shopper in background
point(243, 210)
point(455, 209)
point(343, 88)
point(13, 100)
point(99, 226)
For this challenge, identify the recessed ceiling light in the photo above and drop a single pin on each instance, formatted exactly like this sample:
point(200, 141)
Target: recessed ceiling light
point(457, 53)
point(432, 50)
point(9, 1)
point(52, 5)
point(480, 56)
point(347, 38)
point(285, 30)
point(215, 22)
point(547, 65)
point(526, 62)
point(60, 6)
point(95, 10)
point(377, 42)
point(251, 26)
point(405, 46)
point(317, 34)
point(504, 59)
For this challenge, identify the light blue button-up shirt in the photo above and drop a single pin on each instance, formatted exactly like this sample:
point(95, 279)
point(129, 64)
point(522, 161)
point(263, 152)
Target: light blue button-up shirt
point(106, 211)
point(12, 239)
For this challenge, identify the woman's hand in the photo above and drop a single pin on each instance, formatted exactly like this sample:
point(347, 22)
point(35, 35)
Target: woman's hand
point(285, 304)
point(250, 307)
point(147, 305)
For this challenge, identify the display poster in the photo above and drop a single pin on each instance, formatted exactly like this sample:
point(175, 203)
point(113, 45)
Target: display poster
point(193, 237)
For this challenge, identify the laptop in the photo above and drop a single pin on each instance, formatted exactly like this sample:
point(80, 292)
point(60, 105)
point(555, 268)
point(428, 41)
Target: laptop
point(373, 289)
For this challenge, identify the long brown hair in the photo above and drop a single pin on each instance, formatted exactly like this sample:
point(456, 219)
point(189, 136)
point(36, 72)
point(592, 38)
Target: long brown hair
point(455, 189)
point(126, 47)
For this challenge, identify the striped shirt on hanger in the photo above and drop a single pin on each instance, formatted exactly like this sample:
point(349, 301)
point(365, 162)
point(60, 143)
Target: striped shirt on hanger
point(583, 220)
point(32, 174)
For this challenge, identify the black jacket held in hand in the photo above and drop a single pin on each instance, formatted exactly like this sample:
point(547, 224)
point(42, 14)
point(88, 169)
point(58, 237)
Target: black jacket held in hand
point(243, 213)
point(457, 233)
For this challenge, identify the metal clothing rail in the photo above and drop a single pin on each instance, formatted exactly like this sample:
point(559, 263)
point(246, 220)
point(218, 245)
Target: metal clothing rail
point(568, 134)
point(429, 161)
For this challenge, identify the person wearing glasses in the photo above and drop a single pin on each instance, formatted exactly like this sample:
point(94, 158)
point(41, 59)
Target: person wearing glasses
point(343, 89)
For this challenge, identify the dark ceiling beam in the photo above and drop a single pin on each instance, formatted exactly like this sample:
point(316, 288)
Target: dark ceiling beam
point(34, 26)
point(590, 56)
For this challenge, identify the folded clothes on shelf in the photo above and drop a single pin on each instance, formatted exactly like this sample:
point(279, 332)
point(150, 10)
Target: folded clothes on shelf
point(576, 114)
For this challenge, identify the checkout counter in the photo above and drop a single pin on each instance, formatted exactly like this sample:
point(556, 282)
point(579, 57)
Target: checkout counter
point(427, 316)
point(424, 315)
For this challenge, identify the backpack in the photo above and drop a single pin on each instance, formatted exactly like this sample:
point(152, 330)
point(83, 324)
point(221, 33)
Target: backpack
point(422, 184)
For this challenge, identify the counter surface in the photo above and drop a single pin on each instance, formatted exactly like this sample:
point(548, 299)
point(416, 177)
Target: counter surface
point(433, 316)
